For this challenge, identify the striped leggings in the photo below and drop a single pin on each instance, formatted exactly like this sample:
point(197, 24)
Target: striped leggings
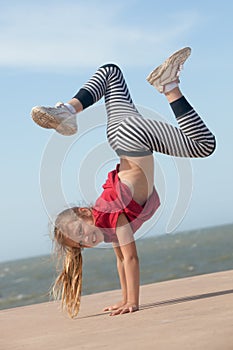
point(132, 135)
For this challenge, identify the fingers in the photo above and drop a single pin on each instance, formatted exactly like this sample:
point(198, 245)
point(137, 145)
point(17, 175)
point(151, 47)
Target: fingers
point(110, 308)
point(115, 306)
point(119, 312)
point(121, 308)
point(124, 310)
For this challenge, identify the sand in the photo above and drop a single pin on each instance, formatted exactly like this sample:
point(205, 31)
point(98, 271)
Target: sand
point(189, 313)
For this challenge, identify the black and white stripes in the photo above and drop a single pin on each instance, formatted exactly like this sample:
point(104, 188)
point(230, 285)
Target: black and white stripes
point(130, 134)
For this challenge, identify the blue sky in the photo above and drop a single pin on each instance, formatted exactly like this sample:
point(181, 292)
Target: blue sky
point(49, 49)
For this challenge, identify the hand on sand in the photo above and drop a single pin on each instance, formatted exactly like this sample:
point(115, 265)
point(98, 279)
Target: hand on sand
point(124, 309)
point(115, 306)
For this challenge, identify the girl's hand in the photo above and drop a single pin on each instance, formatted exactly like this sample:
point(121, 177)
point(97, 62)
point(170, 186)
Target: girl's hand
point(126, 308)
point(115, 306)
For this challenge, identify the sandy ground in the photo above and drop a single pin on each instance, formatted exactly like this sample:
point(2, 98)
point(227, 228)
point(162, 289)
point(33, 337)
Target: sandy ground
point(190, 313)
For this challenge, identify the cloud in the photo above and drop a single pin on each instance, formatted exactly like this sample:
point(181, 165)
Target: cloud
point(83, 34)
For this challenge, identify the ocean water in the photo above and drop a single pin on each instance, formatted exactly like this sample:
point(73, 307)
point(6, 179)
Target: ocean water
point(166, 257)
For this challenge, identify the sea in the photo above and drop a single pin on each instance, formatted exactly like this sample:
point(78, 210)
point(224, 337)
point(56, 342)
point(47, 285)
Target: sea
point(166, 257)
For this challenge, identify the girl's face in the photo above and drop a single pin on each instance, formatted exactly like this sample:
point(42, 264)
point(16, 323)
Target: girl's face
point(84, 232)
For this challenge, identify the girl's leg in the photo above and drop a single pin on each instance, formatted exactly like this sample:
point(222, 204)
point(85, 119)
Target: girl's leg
point(192, 139)
point(137, 135)
point(108, 81)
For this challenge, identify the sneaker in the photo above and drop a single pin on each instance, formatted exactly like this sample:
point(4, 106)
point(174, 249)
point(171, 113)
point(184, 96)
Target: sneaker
point(168, 72)
point(58, 118)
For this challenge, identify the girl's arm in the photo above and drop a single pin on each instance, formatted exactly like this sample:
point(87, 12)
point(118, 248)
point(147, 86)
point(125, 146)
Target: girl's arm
point(128, 250)
point(121, 273)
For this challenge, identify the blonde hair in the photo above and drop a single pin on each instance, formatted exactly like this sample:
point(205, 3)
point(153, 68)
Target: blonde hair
point(68, 285)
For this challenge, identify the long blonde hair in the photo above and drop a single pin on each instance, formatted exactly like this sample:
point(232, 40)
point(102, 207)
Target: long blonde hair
point(68, 285)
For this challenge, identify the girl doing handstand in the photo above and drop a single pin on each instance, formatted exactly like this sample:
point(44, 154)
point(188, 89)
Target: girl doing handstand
point(129, 197)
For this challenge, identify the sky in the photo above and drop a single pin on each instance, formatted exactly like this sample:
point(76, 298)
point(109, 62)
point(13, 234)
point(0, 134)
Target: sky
point(49, 49)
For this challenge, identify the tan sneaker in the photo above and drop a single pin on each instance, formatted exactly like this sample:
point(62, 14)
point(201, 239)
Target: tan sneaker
point(58, 118)
point(168, 71)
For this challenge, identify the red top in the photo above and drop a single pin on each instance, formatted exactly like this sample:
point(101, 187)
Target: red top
point(117, 199)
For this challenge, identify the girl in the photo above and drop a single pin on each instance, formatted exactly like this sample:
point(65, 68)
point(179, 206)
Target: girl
point(129, 197)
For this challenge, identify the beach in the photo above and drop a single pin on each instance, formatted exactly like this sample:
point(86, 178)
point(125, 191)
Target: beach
point(187, 313)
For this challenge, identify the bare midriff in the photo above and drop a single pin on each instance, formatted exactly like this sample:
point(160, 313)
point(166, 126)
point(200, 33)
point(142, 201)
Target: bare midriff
point(138, 174)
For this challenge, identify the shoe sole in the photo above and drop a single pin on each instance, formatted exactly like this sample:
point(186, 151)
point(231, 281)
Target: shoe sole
point(182, 55)
point(47, 121)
